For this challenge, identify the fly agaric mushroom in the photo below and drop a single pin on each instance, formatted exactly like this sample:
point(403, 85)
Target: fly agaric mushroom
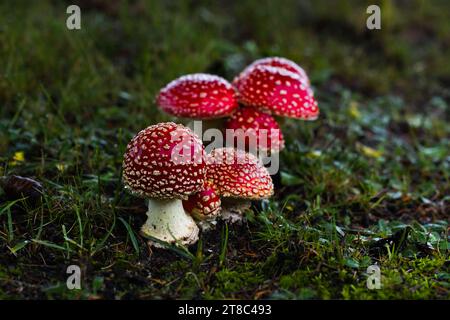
point(257, 128)
point(165, 164)
point(240, 176)
point(204, 206)
point(198, 96)
point(273, 62)
point(279, 91)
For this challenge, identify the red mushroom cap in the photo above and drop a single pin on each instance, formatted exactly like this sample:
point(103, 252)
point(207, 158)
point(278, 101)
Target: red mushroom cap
point(259, 127)
point(280, 62)
point(204, 204)
point(198, 96)
point(164, 161)
point(279, 91)
point(238, 174)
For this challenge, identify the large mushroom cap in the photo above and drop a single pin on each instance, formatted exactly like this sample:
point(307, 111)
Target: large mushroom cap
point(238, 174)
point(280, 62)
point(256, 127)
point(279, 91)
point(198, 96)
point(164, 161)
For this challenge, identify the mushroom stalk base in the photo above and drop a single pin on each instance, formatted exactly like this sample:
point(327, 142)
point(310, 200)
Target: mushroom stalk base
point(233, 210)
point(167, 221)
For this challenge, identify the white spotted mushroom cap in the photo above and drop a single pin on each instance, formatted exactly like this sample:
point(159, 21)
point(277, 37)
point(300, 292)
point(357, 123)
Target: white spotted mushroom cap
point(238, 174)
point(164, 161)
point(198, 96)
point(279, 91)
point(280, 62)
point(256, 127)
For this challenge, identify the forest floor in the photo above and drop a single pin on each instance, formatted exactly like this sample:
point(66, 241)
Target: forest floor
point(366, 184)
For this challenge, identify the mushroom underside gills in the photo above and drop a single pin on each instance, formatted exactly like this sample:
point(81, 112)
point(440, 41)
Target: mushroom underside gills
point(167, 221)
point(233, 209)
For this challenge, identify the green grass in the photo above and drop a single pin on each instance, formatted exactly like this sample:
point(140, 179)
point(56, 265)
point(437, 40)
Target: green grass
point(375, 166)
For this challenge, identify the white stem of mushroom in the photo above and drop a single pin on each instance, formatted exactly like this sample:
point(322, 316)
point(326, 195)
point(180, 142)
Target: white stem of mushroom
point(167, 221)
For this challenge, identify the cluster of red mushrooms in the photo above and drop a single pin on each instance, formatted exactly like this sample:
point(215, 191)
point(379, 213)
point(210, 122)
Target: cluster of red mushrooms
point(166, 163)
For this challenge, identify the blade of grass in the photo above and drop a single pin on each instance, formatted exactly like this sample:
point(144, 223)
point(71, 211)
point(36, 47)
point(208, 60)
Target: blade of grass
point(177, 248)
point(10, 226)
point(17, 114)
point(9, 205)
point(19, 246)
point(7, 210)
point(224, 245)
point(105, 238)
point(131, 235)
point(51, 245)
point(80, 225)
point(65, 237)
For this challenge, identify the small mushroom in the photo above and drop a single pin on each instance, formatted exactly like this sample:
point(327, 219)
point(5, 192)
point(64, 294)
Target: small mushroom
point(259, 130)
point(165, 164)
point(240, 177)
point(204, 206)
point(277, 90)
